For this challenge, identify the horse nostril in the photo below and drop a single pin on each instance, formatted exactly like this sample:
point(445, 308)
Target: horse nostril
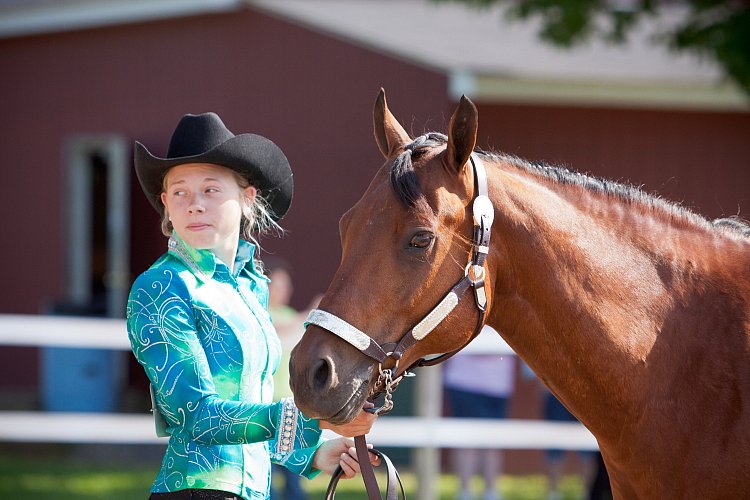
point(321, 375)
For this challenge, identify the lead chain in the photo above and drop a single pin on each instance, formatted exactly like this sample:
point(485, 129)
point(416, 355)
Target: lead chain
point(386, 377)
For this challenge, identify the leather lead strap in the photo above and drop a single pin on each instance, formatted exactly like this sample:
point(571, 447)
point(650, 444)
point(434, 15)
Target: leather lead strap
point(368, 474)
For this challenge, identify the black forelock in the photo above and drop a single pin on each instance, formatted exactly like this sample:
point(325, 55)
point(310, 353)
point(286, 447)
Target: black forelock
point(404, 180)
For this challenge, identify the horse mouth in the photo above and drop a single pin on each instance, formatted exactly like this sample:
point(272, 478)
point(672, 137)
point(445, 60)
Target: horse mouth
point(352, 407)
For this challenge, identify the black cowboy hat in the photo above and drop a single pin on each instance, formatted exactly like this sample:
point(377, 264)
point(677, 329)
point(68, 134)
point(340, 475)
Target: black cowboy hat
point(205, 139)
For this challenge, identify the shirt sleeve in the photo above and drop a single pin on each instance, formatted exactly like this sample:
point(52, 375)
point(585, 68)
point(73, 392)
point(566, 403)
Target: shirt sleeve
point(162, 332)
point(297, 440)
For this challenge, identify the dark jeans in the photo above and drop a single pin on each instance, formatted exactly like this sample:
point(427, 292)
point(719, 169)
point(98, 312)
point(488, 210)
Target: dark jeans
point(466, 404)
point(195, 495)
point(292, 489)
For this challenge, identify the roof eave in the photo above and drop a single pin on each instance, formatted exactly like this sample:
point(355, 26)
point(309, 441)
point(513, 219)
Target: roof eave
point(66, 17)
point(705, 96)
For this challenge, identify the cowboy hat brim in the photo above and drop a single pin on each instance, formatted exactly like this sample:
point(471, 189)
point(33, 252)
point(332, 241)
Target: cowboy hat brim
point(254, 157)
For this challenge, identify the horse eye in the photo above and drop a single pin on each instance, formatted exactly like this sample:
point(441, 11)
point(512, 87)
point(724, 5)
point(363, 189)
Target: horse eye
point(421, 240)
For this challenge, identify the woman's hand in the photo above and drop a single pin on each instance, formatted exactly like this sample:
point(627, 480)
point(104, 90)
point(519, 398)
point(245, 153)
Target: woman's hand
point(340, 451)
point(358, 427)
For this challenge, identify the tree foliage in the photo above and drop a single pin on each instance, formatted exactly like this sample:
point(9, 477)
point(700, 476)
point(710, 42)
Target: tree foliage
point(719, 29)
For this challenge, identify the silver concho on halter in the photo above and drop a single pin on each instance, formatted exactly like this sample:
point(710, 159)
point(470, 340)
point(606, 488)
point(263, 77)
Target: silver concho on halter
point(483, 210)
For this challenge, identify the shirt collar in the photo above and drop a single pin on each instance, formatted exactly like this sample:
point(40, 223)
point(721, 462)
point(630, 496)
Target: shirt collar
point(244, 257)
point(203, 262)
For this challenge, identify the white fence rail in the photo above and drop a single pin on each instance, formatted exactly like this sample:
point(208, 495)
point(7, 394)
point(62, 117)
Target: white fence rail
point(104, 333)
point(63, 331)
point(409, 432)
point(427, 432)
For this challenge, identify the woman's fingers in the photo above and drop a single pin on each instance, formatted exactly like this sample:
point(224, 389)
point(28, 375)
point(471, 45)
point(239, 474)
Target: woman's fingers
point(374, 459)
point(349, 465)
point(353, 459)
point(349, 461)
point(359, 426)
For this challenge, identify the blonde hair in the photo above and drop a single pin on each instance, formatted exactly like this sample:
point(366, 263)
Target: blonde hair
point(256, 214)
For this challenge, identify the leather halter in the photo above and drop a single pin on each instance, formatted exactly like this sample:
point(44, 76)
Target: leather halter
point(474, 277)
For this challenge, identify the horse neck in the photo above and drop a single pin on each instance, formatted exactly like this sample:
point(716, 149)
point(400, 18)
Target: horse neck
point(578, 292)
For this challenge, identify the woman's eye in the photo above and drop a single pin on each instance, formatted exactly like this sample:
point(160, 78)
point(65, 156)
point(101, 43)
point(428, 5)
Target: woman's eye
point(421, 240)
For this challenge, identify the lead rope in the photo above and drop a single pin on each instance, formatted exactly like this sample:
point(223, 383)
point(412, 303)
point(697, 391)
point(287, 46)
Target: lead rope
point(368, 474)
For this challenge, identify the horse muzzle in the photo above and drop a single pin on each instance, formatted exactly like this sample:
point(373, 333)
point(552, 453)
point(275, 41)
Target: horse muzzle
point(319, 392)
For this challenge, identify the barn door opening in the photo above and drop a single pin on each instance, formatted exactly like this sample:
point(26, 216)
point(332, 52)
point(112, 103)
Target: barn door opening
point(98, 239)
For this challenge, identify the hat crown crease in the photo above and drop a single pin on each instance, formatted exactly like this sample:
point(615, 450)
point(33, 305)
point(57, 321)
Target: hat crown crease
point(197, 134)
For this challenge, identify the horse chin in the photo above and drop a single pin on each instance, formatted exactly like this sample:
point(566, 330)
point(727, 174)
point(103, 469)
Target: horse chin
point(351, 409)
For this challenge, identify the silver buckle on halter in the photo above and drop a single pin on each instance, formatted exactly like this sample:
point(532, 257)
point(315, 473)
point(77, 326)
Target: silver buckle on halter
point(477, 273)
point(476, 276)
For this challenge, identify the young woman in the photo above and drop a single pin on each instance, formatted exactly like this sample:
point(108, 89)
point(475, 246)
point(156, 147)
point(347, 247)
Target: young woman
point(198, 321)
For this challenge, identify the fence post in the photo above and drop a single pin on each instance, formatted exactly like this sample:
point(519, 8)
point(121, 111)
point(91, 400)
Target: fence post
point(429, 401)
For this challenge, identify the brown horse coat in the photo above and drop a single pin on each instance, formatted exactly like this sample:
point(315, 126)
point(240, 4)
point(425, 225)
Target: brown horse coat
point(634, 311)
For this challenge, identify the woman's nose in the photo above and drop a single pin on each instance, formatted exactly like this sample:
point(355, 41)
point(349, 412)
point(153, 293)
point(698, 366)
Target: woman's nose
point(196, 205)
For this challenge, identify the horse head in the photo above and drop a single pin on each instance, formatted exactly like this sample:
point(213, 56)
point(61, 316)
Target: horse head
point(405, 243)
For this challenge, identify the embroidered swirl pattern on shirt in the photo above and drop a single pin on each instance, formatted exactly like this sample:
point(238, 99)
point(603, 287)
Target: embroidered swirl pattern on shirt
point(210, 358)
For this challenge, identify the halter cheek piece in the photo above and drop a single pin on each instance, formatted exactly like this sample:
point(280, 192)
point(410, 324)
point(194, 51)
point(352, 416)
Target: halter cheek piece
point(474, 277)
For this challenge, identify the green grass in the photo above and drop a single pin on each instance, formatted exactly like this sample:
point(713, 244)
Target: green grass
point(61, 478)
point(533, 487)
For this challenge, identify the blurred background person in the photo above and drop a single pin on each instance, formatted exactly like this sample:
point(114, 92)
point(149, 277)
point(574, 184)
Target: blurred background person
point(555, 459)
point(600, 488)
point(479, 386)
point(554, 410)
point(289, 327)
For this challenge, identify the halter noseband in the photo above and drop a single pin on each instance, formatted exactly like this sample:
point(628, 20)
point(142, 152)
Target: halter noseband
point(474, 277)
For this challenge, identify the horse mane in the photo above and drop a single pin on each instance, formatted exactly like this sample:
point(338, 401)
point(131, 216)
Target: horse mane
point(405, 184)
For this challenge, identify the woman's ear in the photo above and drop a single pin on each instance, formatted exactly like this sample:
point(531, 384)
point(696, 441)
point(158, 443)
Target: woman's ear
point(250, 193)
point(164, 200)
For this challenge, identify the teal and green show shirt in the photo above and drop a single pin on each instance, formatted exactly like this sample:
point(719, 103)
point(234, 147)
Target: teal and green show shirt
point(205, 340)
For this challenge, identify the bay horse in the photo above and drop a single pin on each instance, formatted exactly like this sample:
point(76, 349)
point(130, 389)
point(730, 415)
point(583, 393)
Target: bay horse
point(634, 311)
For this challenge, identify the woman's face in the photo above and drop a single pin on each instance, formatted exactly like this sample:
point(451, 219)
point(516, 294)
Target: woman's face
point(204, 204)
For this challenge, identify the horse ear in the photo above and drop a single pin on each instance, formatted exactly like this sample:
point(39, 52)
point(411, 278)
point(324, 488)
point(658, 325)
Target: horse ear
point(462, 134)
point(389, 134)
